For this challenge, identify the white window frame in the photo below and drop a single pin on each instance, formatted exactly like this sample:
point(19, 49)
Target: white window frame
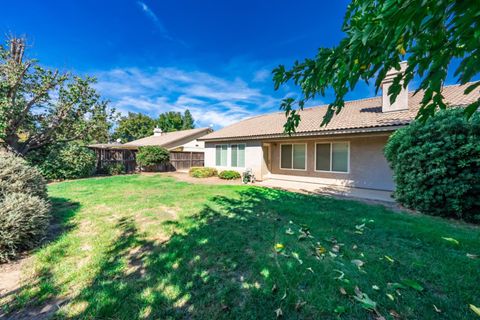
point(331, 157)
point(221, 144)
point(244, 154)
point(306, 156)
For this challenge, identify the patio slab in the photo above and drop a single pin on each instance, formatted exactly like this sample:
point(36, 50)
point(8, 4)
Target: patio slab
point(359, 193)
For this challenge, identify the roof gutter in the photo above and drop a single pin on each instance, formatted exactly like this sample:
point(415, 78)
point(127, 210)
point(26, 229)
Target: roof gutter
point(308, 134)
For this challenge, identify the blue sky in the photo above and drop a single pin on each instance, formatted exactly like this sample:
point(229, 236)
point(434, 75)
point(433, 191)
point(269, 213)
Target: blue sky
point(152, 56)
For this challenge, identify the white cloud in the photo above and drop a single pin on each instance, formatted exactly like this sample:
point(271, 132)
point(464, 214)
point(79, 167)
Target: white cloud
point(211, 99)
point(262, 75)
point(158, 23)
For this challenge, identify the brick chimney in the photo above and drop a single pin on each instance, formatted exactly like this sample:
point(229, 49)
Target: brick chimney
point(401, 102)
point(157, 132)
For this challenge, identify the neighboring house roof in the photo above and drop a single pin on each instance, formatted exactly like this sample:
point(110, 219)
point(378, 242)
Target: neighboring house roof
point(169, 140)
point(363, 115)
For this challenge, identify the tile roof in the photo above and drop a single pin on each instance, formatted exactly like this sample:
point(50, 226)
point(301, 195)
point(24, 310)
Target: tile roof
point(169, 139)
point(358, 115)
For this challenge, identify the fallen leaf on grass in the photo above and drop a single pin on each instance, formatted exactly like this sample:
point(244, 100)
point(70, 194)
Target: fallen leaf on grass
point(394, 314)
point(310, 269)
point(360, 227)
point(289, 231)
point(279, 247)
point(299, 305)
point(475, 309)
point(366, 302)
point(340, 277)
point(452, 240)
point(278, 312)
point(375, 287)
point(412, 284)
point(358, 263)
point(284, 296)
point(472, 256)
point(297, 256)
point(389, 259)
point(390, 296)
point(320, 250)
point(396, 285)
point(342, 290)
point(354, 247)
point(340, 309)
point(336, 248)
point(436, 309)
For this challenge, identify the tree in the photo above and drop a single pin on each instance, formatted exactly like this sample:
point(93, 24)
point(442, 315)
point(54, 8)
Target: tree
point(40, 106)
point(134, 126)
point(188, 122)
point(170, 121)
point(379, 35)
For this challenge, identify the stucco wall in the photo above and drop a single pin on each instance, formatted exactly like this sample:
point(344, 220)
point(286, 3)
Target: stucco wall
point(368, 166)
point(253, 156)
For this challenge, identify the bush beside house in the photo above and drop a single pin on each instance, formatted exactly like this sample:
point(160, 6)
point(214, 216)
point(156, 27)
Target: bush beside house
point(24, 208)
point(150, 157)
point(202, 172)
point(229, 175)
point(437, 165)
point(64, 161)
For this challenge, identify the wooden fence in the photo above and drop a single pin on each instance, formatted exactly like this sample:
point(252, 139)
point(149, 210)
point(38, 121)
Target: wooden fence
point(179, 160)
point(186, 160)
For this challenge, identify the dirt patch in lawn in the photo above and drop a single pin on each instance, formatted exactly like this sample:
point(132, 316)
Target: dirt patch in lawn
point(183, 176)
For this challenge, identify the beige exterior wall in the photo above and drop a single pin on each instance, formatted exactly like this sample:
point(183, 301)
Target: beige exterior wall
point(253, 156)
point(368, 167)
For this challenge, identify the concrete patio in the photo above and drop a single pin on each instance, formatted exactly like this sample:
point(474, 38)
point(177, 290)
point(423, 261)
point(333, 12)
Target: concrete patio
point(342, 191)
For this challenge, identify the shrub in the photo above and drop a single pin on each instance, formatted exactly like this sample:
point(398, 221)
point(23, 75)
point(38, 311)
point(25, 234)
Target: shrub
point(65, 161)
point(202, 172)
point(152, 156)
point(16, 176)
point(113, 169)
point(437, 165)
point(24, 209)
point(23, 223)
point(229, 175)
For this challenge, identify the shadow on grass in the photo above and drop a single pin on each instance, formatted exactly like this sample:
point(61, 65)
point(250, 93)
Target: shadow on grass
point(217, 264)
point(221, 264)
point(63, 210)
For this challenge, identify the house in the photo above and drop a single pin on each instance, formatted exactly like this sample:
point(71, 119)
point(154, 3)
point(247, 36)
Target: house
point(185, 149)
point(348, 152)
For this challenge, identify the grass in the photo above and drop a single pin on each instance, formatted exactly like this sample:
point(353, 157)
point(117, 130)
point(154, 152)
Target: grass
point(154, 248)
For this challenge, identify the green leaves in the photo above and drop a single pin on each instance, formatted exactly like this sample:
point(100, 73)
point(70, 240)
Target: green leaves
point(377, 38)
point(412, 284)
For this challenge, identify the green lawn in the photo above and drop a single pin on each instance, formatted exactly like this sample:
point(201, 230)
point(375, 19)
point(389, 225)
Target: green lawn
point(151, 247)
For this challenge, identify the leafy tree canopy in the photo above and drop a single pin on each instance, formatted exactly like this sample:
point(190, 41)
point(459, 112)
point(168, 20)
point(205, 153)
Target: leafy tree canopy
point(134, 126)
point(174, 121)
point(379, 35)
point(39, 107)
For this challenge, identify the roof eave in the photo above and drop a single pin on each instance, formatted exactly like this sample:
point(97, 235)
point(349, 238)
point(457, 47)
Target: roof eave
point(310, 133)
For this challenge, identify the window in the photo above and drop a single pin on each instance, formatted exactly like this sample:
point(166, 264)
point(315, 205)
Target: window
point(221, 155)
point(237, 155)
point(332, 156)
point(293, 156)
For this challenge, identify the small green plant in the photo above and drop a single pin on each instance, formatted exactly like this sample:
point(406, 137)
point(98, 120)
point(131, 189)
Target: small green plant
point(229, 175)
point(202, 172)
point(113, 169)
point(150, 156)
